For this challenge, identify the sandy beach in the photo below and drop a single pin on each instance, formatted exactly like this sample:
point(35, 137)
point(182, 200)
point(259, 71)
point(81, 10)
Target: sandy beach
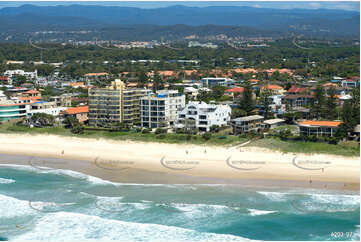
point(138, 162)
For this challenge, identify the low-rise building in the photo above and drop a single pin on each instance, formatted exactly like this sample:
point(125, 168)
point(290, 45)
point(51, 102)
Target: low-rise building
point(28, 74)
point(247, 124)
point(80, 113)
point(272, 123)
point(235, 93)
point(160, 110)
point(319, 128)
point(202, 116)
point(349, 83)
point(14, 109)
point(217, 81)
point(298, 100)
point(62, 100)
point(45, 107)
point(274, 89)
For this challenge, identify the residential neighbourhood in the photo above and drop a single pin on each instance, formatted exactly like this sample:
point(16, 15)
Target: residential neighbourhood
point(184, 105)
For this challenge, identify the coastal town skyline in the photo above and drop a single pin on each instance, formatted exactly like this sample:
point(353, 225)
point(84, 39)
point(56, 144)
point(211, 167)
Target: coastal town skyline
point(180, 123)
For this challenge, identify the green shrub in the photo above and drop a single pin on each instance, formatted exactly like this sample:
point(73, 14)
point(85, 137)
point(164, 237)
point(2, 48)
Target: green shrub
point(160, 131)
point(207, 136)
point(146, 131)
point(160, 136)
point(77, 129)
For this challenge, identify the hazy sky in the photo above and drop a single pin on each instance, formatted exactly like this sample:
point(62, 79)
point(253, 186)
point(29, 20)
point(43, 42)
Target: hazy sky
point(345, 5)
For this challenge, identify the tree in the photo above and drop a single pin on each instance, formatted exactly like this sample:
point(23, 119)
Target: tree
point(142, 78)
point(265, 102)
point(157, 82)
point(331, 104)
point(348, 117)
point(247, 100)
point(317, 105)
point(42, 120)
point(355, 103)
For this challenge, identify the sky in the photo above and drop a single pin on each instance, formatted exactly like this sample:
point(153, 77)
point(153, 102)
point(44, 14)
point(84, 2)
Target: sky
point(344, 5)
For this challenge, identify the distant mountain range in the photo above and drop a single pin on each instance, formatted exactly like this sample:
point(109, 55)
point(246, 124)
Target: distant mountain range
point(240, 20)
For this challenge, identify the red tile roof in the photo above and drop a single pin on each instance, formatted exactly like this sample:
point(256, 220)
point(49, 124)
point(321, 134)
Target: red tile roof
point(274, 87)
point(75, 110)
point(295, 89)
point(30, 98)
point(235, 89)
point(321, 123)
point(97, 74)
point(32, 92)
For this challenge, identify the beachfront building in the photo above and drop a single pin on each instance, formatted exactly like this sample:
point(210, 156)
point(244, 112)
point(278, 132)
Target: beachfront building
point(273, 123)
point(160, 110)
point(45, 107)
point(80, 113)
point(203, 116)
point(14, 109)
point(319, 128)
point(115, 103)
point(247, 124)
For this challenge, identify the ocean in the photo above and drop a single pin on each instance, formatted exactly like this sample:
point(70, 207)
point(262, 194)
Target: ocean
point(42, 204)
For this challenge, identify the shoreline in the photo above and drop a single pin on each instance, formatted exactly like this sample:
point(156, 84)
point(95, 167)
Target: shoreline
point(158, 163)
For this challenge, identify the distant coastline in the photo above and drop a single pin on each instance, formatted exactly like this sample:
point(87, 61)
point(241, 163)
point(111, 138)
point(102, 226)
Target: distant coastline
point(139, 162)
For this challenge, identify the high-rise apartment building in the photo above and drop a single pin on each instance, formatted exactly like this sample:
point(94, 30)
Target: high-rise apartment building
point(115, 103)
point(160, 110)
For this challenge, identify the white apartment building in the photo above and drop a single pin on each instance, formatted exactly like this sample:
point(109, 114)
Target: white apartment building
point(29, 74)
point(203, 116)
point(217, 81)
point(160, 110)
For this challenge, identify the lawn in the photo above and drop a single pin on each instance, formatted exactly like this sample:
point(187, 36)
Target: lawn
point(128, 135)
point(344, 149)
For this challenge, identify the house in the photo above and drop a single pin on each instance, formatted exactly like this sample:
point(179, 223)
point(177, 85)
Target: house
point(31, 93)
point(10, 62)
point(160, 110)
point(298, 100)
point(349, 83)
point(247, 124)
point(201, 116)
point(319, 128)
point(4, 80)
point(236, 92)
point(254, 81)
point(62, 100)
point(77, 84)
point(272, 123)
point(274, 89)
point(276, 104)
point(80, 113)
point(11, 73)
point(45, 107)
point(296, 90)
point(217, 81)
point(191, 91)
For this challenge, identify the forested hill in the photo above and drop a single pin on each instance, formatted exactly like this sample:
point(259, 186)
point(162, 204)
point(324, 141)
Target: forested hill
point(244, 20)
